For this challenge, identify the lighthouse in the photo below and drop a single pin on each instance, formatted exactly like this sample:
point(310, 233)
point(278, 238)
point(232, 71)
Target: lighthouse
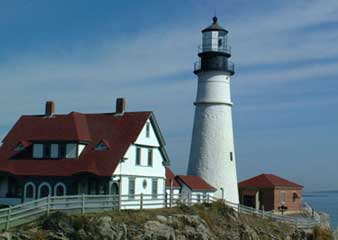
point(212, 152)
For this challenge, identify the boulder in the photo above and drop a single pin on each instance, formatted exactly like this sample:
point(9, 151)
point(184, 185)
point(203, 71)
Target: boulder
point(325, 221)
point(154, 230)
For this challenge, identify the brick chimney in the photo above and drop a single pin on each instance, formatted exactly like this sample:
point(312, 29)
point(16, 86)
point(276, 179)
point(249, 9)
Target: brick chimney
point(120, 105)
point(50, 108)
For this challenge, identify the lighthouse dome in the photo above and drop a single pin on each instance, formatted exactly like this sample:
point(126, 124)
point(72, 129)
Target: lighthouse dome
point(214, 27)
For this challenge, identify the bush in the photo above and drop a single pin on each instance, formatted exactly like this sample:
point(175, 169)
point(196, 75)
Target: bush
point(322, 234)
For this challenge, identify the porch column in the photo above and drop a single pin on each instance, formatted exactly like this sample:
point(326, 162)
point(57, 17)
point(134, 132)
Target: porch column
point(257, 200)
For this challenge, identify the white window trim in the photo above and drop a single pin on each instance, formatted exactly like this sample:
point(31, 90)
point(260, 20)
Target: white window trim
point(44, 184)
point(62, 185)
point(25, 190)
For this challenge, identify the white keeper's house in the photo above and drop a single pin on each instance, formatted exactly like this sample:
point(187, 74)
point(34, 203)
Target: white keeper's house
point(76, 153)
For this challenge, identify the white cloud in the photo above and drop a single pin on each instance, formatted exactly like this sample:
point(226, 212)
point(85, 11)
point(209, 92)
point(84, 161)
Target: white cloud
point(279, 36)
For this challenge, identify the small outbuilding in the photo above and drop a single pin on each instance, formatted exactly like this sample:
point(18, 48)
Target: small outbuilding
point(271, 193)
point(172, 185)
point(195, 189)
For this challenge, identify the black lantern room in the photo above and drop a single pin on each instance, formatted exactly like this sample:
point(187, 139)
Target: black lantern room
point(214, 51)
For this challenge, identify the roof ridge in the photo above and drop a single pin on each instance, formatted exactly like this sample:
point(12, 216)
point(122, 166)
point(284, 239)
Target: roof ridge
point(82, 113)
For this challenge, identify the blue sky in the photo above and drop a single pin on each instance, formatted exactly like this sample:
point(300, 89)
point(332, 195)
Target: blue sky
point(84, 54)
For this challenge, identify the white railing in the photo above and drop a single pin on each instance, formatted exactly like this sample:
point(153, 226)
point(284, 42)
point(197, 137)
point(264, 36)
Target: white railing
point(27, 212)
point(298, 222)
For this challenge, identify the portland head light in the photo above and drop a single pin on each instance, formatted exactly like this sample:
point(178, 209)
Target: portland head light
point(212, 153)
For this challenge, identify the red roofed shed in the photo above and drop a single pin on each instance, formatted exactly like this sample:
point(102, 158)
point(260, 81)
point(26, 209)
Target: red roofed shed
point(270, 192)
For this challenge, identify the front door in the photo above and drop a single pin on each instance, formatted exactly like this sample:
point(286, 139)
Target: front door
point(114, 190)
point(249, 201)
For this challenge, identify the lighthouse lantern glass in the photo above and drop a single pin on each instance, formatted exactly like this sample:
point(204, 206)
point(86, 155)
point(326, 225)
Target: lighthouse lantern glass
point(214, 41)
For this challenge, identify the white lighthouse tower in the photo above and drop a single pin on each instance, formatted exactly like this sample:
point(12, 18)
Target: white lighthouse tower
point(212, 153)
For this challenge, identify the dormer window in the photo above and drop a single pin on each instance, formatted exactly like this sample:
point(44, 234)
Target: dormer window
point(57, 150)
point(19, 147)
point(37, 150)
point(101, 146)
point(54, 150)
point(71, 150)
point(22, 145)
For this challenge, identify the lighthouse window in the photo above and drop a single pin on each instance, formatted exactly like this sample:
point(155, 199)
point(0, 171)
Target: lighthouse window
point(220, 42)
point(231, 156)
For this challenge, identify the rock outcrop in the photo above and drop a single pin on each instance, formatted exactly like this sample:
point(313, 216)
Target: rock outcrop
point(201, 222)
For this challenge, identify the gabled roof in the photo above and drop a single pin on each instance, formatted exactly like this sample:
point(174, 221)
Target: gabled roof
point(268, 181)
point(170, 176)
point(119, 131)
point(195, 183)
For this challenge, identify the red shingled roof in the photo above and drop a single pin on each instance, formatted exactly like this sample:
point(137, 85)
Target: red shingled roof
point(268, 181)
point(195, 183)
point(118, 130)
point(170, 176)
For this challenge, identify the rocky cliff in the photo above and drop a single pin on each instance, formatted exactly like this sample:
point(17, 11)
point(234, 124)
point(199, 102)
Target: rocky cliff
point(201, 222)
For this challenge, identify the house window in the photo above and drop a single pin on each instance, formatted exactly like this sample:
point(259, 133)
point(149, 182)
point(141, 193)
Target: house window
point(282, 197)
point(144, 184)
point(71, 150)
point(294, 197)
point(44, 191)
point(138, 156)
point(150, 157)
point(29, 191)
point(131, 190)
point(54, 151)
point(92, 186)
point(37, 151)
point(231, 156)
point(60, 190)
point(148, 130)
point(19, 147)
point(154, 188)
point(102, 189)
